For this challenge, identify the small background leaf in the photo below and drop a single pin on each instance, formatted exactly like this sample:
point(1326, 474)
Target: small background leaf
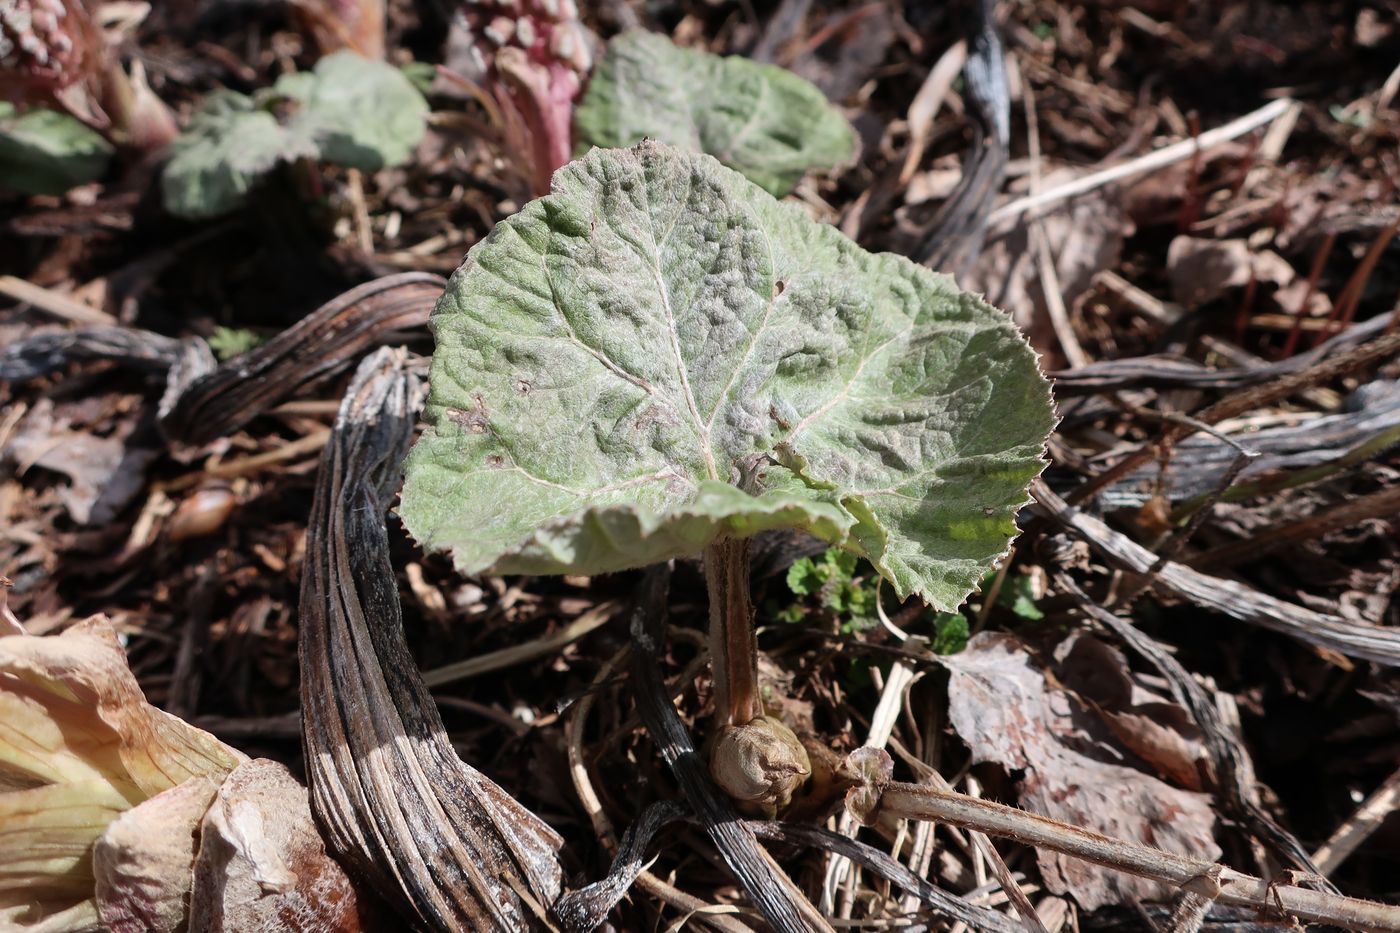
point(350, 111)
point(362, 114)
point(229, 144)
point(759, 119)
point(950, 633)
point(46, 152)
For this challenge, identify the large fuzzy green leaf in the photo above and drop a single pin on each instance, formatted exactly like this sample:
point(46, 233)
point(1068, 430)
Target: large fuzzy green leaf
point(760, 119)
point(46, 152)
point(659, 353)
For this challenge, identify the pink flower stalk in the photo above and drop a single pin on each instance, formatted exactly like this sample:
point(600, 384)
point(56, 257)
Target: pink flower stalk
point(53, 54)
point(533, 56)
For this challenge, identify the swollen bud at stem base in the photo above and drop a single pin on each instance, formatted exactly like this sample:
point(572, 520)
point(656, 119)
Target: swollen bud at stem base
point(760, 764)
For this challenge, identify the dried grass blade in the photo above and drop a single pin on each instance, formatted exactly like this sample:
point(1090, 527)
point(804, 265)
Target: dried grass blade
point(589, 906)
point(46, 352)
point(940, 904)
point(1226, 597)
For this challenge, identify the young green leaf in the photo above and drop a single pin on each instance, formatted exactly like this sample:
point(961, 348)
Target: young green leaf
point(47, 152)
point(228, 342)
point(805, 576)
point(1018, 595)
point(362, 114)
point(763, 120)
point(659, 353)
point(950, 633)
point(228, 145)
point(832, 576)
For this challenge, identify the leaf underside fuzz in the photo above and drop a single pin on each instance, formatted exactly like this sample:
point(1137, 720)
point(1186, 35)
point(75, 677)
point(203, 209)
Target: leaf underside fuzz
point(659, 353)
point(762, 120)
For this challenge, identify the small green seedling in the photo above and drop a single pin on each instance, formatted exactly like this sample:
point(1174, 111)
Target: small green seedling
point(950, 633)
point(853, 599)
point(762, 120)
point(832, 577)
point(349, 111)
point(228, 342)
point(1018, 595)
point(659, 359)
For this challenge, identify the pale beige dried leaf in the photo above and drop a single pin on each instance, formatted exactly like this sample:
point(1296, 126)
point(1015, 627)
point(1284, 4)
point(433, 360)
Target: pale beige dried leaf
point(82, 681)
point(79, 745)
point(45, 836)
point(262, 866)
point(1001, 705)
point(143, 863)
point(57, 918)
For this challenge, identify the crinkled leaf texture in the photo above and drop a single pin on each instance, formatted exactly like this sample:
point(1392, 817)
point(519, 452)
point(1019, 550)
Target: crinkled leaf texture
point(763, 120)
point(659, 353)
point(47, 152)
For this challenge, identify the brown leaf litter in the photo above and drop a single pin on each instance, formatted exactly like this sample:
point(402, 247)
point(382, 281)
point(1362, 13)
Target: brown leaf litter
point(1010, 714)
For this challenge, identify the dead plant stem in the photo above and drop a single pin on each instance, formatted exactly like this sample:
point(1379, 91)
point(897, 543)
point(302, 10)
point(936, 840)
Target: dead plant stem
point(1152, 161)
point(921, 802)
point(1248, 399)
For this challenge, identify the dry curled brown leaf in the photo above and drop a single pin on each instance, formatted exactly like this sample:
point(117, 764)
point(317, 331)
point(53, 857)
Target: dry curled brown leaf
point(262, 865)
point(1002, 706)
point(1202, 270)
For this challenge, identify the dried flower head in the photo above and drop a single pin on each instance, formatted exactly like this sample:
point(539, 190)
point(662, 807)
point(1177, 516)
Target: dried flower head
point(48, 47)
point(761, 765)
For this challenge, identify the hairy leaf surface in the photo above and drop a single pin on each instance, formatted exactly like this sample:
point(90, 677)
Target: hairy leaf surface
point(659, 353)
point(763, 120)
